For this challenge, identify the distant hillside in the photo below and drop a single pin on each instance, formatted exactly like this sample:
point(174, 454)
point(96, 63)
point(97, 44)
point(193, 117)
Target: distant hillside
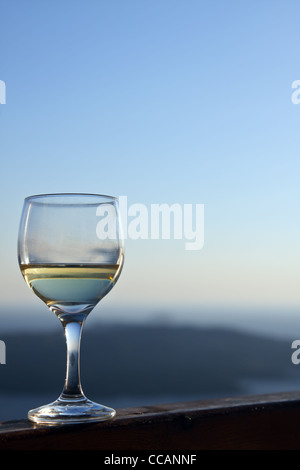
point(147, 360)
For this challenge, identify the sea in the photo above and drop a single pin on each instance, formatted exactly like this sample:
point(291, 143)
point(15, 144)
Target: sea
point(277, 323)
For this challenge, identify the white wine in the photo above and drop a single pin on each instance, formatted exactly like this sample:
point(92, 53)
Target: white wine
point(70, 266)
point(65, 285)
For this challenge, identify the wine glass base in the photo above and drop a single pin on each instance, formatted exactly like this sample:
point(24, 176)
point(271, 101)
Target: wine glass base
point(62, 412)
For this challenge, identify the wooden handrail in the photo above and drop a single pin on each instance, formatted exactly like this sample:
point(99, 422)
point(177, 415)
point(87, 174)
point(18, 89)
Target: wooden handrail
point(256, 422)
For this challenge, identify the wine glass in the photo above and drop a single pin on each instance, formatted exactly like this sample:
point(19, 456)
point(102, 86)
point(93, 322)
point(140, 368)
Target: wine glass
point(70, 252)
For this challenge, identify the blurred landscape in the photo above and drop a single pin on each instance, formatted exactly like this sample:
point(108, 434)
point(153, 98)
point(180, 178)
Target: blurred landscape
point(143, 364)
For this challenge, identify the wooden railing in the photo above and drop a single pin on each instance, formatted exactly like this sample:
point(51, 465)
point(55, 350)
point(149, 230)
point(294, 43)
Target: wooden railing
point(257, 422)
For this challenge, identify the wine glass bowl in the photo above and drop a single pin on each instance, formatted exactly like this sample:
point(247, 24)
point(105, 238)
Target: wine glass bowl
point(70, 265)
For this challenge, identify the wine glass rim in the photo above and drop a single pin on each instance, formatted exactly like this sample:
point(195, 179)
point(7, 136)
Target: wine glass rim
point(50, 195)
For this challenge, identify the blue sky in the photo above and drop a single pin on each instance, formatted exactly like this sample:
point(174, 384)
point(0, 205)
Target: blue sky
point(165, 102)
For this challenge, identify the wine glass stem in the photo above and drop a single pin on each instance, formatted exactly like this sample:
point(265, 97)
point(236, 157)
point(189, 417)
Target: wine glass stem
point(72, 389)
